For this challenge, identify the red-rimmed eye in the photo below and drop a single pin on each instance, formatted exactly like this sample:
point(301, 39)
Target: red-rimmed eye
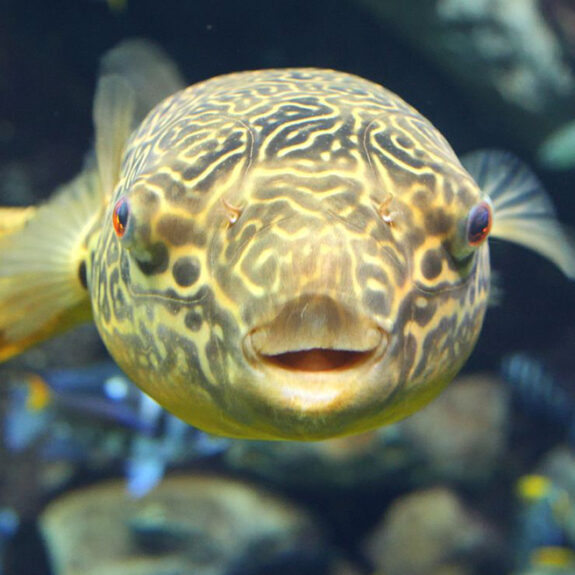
point(120, 216)
point(479, 223)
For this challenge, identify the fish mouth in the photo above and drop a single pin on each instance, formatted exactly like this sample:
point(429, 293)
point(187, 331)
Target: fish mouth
point(318, 359)
point(316, 335)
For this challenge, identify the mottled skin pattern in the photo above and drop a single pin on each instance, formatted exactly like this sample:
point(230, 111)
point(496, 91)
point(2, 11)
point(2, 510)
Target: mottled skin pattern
point(300, 203)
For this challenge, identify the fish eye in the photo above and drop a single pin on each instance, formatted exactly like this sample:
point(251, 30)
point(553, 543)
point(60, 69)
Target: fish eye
point(120, 216)
point(479, 223)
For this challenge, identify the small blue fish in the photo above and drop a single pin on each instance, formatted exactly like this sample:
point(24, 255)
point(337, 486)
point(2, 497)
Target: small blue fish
point(541, 391)
point(39, 403)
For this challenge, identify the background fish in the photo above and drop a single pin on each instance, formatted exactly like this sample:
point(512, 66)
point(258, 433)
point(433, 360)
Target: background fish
point(291, 254)
point(542, 535)
point(70, 415)
point(541, 386)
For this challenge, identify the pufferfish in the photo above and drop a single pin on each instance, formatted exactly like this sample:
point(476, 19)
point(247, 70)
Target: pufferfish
point(275, 254)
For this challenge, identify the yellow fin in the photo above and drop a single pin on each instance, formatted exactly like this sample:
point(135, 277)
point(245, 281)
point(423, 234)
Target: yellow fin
point(43, 250)
point(41, 288)
point(12, 219)
point(523, 212)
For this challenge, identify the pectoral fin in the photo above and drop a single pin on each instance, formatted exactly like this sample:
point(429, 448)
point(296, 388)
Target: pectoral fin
point(523, 211)
point(43, 257)
point(43, 251)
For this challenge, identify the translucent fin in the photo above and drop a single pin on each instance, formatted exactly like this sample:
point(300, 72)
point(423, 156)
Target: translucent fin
point(42, 279)
point(147, 69)
point(136, 75)
point(114, 108)
point(41, 289)
point(523, 212)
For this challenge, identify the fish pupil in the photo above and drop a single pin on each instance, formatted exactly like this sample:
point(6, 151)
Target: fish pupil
point(479, 223)
point(120, 216)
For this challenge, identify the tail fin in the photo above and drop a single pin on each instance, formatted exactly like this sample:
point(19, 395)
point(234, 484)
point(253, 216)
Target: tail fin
point(42, 290)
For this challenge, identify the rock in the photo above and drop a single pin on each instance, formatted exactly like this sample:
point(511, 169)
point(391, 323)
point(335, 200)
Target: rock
point(200, 524)
point(461, 436)
point(428, 532)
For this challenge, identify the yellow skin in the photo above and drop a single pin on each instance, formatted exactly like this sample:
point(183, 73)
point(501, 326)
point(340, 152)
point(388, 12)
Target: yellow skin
point(293, 258)
point(283, 211)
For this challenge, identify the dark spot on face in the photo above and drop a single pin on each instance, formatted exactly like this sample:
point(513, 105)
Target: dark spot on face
point(471, 295)
point(410, 351)
point(175, 230)
point(416, 238)
point(193, 321)
point(119, 305)
point(421, 199)
point(186, 271)
point(158, 261)
point(438, 222)
point(277, 209)
point(428, 181)
point(462, 264)
point(174, 192)
point(404, 142)
point(264, 273)
point(369, 271)
point(465, 196)
point(149, 199)
point(163, 181)
point(112, 253)
point(148, 344)
point(82, 274)
point(105, 309)
point(125, 268)
point(138, 229)
point(246, 234)
point(376, 301)
point(424, 314)
point(215, 353)
point(448, 193)
point(431, 265)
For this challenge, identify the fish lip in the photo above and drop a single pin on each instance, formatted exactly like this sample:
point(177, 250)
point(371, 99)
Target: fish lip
point(326, 399)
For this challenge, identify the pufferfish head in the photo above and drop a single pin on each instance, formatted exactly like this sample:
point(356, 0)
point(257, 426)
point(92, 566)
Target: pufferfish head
point(314, 271)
